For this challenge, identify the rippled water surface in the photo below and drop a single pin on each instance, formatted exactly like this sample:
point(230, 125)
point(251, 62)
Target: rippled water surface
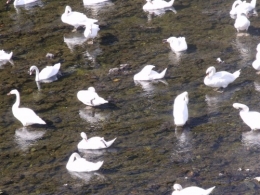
point(215, 149)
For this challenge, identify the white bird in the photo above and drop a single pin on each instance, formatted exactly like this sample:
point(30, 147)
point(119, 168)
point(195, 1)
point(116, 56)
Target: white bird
point(78, 164)
point(180, 109)
point(5, 56)
point(256, 64)
point(25, 115)
point(177, 44)
point(157, 4)
point(75, 19)
point(92, 2)
point(234, 7)
point(251, 118)
point(242, 6)
point(258, 47)
point(257, 56)
point(91, 31)
point(192, 190)
point(93, 142)
point(219, 79)
point(241, 22)
point(23, 2)
point(90, 97)
point(148, 74)
point(46, 73)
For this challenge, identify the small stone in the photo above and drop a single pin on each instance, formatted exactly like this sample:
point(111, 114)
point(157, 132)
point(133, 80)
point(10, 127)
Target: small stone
point(219, 60)
point(49, 55)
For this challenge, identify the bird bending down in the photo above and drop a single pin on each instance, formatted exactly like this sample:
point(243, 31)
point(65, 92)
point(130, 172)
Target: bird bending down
point(90, 97)
point(241, 22)
point(157, 4)
point(25, 115)
point(46, 73)
point(219, 79)
point(91, 31)
point(251, 118)
point(177, 44)
point(180, 109)
point(76, 19)
point(78, 164)
point(147, 74)
point(94, 142)
point(192, 190)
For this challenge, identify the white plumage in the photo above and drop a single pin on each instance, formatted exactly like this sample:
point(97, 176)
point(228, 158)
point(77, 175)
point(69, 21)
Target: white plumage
point(46, 73)
point(219, 79)
point(177, 44)
point(192, 190)
point(91, 31)
point(78, 164)
point(251, 118)
point(243, 6)
point(25, 115)
point(180, 109)
point(241, 22)
point(147, 74)
point(90, 97)
point(5, 56)
point(75, 19)
point(94, 142)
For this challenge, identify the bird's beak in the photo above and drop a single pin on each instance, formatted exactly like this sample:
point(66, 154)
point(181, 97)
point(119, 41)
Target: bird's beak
point(9, 94)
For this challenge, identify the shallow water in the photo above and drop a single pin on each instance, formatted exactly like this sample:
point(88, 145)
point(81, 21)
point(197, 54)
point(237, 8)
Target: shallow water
point(149, 155)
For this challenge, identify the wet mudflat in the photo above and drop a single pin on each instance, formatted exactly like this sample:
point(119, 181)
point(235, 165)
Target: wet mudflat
point(149, 155)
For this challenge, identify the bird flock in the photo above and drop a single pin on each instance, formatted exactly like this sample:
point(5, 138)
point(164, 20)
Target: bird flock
point(240, 11)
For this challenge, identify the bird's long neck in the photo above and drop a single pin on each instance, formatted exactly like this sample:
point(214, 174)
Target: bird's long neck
point(37, 74)
point(17, 102)
point(244, 109)
point(73, 157)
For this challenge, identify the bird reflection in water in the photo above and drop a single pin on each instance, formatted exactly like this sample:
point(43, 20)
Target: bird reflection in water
point(86, 177)
point(149, 86)
point(183, 148)
point(92, 115)
point(91, 55)
point(159, 12)
point(216, 100)
point(25, 138)
point(98, 8)
point(251, 139)
point(3, 62)
point(245, 49)
point(257, 86)
point(74, 39)
point(29, 6)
